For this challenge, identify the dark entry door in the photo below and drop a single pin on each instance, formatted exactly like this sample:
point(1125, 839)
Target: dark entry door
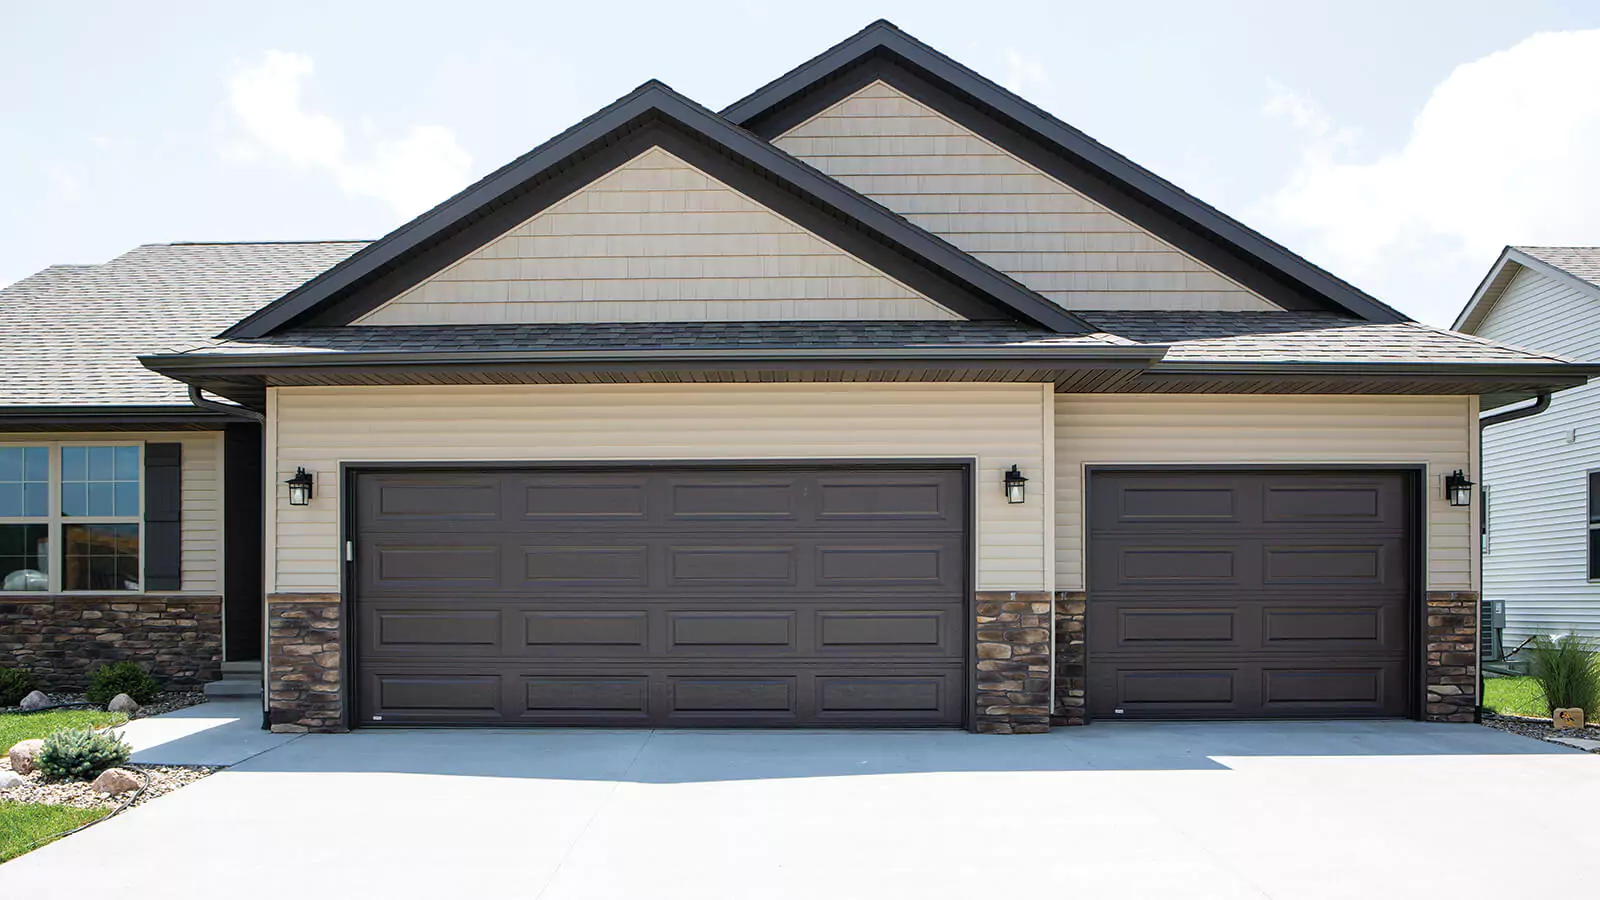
point(1261, 594)
point(678, 596)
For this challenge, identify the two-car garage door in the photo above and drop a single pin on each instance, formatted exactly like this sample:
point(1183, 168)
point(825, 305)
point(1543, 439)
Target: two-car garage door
point(761, 596)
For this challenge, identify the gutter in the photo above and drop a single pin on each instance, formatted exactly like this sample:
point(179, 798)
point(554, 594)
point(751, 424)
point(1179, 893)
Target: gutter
point(227, 409)
point(1541, 402)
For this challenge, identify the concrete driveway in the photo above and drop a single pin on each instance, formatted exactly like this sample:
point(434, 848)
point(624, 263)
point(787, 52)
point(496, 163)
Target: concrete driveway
point(1297, 810)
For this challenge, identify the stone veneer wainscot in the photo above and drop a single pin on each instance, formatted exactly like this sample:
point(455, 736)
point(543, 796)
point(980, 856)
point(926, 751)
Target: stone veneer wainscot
point(60, 637)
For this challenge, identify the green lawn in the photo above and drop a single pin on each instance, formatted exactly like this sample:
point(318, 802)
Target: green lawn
point(1514, 696)
point(16, 727)
point(23, 824)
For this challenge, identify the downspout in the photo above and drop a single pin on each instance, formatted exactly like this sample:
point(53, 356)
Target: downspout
point(227, 409)
point(1541, 402)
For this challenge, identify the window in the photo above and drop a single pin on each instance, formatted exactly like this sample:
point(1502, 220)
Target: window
point(71, 517)
point(1594, 526)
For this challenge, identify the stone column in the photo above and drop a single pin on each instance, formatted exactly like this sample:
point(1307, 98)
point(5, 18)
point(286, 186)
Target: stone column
point(1013, 679)
point(1451, 671)
point(304, 663)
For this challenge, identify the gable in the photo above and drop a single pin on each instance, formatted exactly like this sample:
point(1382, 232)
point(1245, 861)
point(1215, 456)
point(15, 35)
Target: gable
point(1546, 314)
point(656, 240)
point(950, 180)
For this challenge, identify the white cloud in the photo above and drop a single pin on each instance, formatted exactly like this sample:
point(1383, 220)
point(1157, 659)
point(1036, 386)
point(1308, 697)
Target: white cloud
point(1024, 72)
point(410, 173)
point(1503, 152)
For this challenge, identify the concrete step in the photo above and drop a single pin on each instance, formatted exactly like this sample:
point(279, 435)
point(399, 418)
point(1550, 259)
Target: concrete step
point(248, 667)
point(233, 687)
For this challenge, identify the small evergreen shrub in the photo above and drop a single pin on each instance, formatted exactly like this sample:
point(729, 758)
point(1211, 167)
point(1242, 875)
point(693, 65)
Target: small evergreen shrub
point(81, 753)
point(14, 685)
point(111, 679)
point(1567, 670)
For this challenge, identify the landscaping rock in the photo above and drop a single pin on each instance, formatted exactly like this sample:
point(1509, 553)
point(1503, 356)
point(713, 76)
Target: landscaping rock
point(1565, 719)
point(116, 781)
point(9, 780)
point(25, 754)
point(122, 703)
point(35, 700)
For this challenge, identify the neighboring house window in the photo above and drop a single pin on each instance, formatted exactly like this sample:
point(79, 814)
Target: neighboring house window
point(71, 517)
point(1483, 518)
point(1594, 526)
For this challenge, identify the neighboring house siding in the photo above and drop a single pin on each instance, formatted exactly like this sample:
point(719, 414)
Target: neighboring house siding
point(1000, 425)
point(1536, 469)
point(1109, 430)
point(202, 494)
point(656, 240)
point(1052, 238)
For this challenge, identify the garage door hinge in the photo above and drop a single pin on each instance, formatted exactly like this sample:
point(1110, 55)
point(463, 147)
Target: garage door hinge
point(349, 551)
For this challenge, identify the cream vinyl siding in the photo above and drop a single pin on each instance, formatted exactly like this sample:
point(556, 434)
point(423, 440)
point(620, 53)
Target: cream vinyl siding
point(655, 240)
point(1047, 235)
point(1104, 430)
point(998, 425)
point(1537, 469)
point(202, 494)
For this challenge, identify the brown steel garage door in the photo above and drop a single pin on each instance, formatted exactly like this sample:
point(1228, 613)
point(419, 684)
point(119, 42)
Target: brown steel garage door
point(1250, 594)
point(662, 596)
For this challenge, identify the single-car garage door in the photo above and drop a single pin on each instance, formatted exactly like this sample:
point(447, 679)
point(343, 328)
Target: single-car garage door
point(676, 596)
point(1250, 594)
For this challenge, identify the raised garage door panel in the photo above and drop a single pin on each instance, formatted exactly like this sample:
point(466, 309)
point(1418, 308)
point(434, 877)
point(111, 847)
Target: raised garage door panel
point(663, 596)
point(1235, 594)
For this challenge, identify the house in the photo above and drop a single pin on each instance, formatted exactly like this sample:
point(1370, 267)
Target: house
point(881, 397)
point(1541, 534)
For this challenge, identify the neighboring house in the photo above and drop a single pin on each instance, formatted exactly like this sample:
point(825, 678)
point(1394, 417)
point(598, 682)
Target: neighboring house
point(1542, 474)
point(879, 398)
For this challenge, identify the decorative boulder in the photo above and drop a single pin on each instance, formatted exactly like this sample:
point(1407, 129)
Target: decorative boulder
point(35, 700)
point(9, 780)
point(122, 703)
point(1564, 719)
point(25, 754)
point(116, 781)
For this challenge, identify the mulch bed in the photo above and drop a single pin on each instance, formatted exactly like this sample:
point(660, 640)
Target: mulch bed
point(1539, 729)
point(162, 780)
point(165, 702)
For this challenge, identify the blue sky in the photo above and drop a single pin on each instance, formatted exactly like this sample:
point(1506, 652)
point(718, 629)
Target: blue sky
point(1397, 144)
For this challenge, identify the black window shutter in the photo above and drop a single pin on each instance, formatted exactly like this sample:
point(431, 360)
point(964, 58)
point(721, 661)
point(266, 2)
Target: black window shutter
point(163, 517)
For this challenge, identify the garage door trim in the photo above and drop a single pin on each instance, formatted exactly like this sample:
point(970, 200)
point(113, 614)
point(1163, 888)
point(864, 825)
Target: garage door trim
point(1415, 487)
point(349, 472)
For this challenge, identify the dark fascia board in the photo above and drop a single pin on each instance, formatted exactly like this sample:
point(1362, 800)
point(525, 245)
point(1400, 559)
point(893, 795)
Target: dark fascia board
point(90, 417)
point(186, 367)
point(1559, 371)
point(654, 113)
point(1494, 284)
point(883, 50)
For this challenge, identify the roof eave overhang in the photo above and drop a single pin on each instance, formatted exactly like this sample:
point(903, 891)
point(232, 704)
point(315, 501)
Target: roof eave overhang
point(111, 418)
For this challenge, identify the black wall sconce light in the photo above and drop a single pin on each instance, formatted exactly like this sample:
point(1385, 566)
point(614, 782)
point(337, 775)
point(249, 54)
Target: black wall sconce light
point(1016, 485)
point(300, 488)
point(1458, 488)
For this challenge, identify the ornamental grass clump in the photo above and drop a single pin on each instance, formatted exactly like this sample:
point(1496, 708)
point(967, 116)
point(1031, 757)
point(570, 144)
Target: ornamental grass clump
point(1567, 670)
point(111, 679)
point(14, 685)
point(80, 754)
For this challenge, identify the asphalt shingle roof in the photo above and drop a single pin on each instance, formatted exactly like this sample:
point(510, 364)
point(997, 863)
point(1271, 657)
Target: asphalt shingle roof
point(1221, 337)
point(1579, 262)
point(72, 335)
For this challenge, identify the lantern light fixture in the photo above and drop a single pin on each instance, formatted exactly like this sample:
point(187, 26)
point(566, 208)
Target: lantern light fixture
point(1016, 485)
point(300, 488)
point(1458, 488)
